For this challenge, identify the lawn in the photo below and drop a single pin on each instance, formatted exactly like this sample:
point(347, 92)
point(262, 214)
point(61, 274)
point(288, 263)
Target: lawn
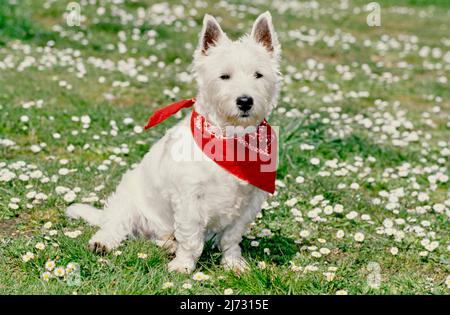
point(362, 203)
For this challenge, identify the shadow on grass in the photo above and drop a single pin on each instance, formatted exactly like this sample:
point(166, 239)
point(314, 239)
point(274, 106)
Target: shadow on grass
point(282, 250)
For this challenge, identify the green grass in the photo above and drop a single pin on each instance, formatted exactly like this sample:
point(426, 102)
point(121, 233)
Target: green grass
point(371, 157)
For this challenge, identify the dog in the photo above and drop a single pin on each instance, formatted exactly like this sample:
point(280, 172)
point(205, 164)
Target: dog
point(181, 204)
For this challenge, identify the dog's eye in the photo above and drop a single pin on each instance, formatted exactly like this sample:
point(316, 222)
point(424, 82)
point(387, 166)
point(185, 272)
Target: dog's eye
point(258, 75)
point(225, 76)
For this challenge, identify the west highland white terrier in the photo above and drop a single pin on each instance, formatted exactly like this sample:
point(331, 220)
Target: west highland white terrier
point(179, 203)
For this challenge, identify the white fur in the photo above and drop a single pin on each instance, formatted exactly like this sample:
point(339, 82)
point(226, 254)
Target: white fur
point(179, 203)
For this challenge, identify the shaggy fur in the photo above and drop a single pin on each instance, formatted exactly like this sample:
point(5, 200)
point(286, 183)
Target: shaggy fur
point(179, 203)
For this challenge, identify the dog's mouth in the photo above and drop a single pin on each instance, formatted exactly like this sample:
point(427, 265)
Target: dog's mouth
point(242, 118)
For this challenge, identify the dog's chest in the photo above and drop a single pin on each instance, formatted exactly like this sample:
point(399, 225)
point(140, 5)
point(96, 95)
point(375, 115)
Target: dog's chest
point(220, 197)
point(235, 197)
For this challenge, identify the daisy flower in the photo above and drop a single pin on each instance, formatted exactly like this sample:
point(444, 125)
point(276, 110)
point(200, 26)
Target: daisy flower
point(304, 233)
point(341, 292)
point(73, 234)
point(291, 202)
point(187, 286)
point(59, 272)
point(329, 276)
point(200, 276)
point(40, 246)
point(142, 255)
point(338, 208)
point(71, 267)
point(393, 250)
point(70, 196)
point(316, 254)
point(50, 265)
point(328, 210)
point(311, 268)
point(432, 246)
point(314, 161)
point(28, 256)
point(352, 215)
point(48, 225)
point(265, 233)
point(359, 237)
point(228, 291)
point(262, 265)
point(324, 251)
point(167, 285)
point(46, 276)
point(296, 268)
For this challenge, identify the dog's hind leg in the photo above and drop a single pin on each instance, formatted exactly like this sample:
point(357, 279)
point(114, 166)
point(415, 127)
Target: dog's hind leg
point(117, 225)
point(108, 238)
point(115, 222)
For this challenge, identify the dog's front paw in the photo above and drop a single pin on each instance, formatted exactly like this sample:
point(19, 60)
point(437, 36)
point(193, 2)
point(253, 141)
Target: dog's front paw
point(182, 265)
point(235, 263)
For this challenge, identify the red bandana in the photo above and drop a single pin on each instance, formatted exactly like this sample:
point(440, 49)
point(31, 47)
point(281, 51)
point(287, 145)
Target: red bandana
point(251, 157)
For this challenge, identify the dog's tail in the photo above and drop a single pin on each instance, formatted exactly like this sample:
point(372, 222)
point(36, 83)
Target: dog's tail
point(86, 212)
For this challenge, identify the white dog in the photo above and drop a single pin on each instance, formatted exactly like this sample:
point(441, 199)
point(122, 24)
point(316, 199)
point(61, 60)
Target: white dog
point(180, 204)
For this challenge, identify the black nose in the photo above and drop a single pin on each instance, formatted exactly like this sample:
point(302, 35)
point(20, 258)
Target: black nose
point(244, 102)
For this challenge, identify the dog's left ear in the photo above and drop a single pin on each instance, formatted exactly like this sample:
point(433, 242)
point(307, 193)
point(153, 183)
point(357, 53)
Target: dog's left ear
point(264, 34)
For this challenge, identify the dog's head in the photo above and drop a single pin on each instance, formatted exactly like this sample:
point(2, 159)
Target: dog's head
point(237, 80)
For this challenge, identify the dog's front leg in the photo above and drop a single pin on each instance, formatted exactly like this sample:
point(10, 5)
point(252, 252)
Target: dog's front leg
point(232, 236)
point(190, 236)
point(231, 250)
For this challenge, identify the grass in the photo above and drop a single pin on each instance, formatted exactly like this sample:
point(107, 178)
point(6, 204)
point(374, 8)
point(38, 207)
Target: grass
point(31, 71)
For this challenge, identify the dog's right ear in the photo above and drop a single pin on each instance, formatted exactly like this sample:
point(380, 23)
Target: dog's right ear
point(211, 33)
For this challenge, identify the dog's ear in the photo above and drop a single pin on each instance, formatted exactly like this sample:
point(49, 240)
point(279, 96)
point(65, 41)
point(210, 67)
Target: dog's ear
point(211, 33)
point(264, 33)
